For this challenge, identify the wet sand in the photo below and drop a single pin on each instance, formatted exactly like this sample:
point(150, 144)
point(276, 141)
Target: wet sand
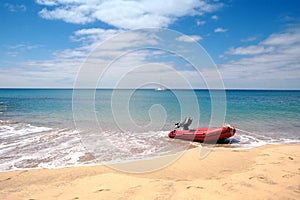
point(268, 172)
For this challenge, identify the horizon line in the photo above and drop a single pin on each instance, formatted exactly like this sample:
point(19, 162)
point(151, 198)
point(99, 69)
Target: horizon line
point(70, 88)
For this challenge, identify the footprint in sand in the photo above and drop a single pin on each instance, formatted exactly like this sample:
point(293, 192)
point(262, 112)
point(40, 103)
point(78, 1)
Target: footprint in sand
point(102, 190)
point(131, 191)
point(287, 176)
point(265, 154)
point(6, 179)
point(165, 192)
point(192, 186)
point(263, 179)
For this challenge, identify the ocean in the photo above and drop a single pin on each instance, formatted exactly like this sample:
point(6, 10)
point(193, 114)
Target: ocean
point(51, 128)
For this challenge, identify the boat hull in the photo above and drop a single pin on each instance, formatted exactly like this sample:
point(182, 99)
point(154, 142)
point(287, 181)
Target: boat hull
point(204, 134)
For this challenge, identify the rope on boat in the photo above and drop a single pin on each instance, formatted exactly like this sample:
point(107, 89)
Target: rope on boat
point(255, 134)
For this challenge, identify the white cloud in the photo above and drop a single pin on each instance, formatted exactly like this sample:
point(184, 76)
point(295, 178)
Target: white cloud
point(189, 38)
point(215, 17)
point(61, 70)
point(12, 53)
point(220, 30)
point(272, 63)
point(24, 47)
point(222, 56)
point(283, 38)
point(249, 50)
point(200, 22)
point(125, 14)
point(15, 8)
point(94, 34)
point(249, 39)
point(15, 50)
point(58, 73)
point(92, 38)
point(287, 18)
point(71, 15)
point(47, 2)
point(120, 54)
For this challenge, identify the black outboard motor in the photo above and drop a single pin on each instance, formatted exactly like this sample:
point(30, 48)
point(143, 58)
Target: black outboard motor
point(185, 124)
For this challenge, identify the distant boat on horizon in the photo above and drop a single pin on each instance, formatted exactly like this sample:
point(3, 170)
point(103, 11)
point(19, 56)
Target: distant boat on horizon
point(161, 88)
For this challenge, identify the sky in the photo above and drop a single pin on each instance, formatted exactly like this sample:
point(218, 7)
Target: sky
point(255, 44)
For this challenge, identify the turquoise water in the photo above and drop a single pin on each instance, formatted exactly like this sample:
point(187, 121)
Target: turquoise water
point(45, 128)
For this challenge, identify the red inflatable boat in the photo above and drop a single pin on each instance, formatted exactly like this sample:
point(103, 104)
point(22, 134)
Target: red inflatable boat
point(204, 134)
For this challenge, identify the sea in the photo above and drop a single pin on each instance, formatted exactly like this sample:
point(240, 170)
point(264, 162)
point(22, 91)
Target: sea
point(54, 128)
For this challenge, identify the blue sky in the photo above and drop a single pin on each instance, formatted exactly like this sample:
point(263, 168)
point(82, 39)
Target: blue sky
point(254, 43)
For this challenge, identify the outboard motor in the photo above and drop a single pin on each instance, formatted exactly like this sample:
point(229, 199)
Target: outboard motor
point(185, 124)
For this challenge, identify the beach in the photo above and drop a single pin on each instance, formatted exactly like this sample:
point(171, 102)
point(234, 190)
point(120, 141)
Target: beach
point(158, 100)
point(266, 172)
point(45, 155)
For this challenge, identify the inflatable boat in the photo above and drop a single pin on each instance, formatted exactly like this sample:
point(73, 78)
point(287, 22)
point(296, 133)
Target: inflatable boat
point(201, 134)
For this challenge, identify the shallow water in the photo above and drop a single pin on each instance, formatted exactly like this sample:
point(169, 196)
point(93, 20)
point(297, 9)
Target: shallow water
point(38, 127)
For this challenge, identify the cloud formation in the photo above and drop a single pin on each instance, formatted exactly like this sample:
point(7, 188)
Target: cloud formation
point(189, 38)
point(125, 14)
point(215, 17)
point(94, 34)
point(275, 59)
point(15, 8)
point(220, 30)
point(200, 22)
point(249, 39)
point(249, 50)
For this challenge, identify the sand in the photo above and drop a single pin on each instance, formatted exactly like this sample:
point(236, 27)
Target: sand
point(268, 172)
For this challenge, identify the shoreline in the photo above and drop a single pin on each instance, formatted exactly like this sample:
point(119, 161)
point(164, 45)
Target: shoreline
point(266, 172)
point(190, 147)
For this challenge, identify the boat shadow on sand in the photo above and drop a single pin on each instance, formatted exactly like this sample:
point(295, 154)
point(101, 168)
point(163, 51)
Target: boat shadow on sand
point(225, 143)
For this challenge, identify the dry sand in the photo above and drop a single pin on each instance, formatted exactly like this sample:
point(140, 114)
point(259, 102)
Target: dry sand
point(268, 172)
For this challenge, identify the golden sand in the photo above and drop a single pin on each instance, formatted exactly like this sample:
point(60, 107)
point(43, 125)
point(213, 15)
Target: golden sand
point(268, 172)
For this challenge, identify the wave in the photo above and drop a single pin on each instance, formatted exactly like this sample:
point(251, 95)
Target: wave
point(249, 140)
point(26, 146)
